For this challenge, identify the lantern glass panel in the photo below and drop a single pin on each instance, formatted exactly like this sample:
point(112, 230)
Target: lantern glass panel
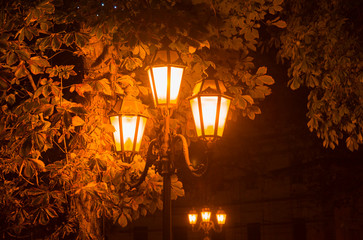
point(206, 215)
point(152, 85)
point(196, 115)
point(140, 132)
point(175, 80)
point(161, 83)
point(193, 216)
point(221, 217)
point(209, 112)
point(128, 129)
point(116, 135)
point(225, 102)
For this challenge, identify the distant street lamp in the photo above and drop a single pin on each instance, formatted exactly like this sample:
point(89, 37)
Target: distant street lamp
point(210, 108)
point(206, 224)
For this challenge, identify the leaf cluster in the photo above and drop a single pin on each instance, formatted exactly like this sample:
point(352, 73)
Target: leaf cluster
point(323, 46)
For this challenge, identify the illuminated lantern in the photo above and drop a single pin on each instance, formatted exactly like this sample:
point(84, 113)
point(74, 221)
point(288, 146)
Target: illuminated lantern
point(221, 217)
point(129, 126)
point(210, 107)
point(165, 75)
point(193, 216)
point(205, 213)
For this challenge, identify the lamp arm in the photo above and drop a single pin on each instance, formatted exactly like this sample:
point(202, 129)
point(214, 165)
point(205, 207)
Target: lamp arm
point(150, 159)
point(217, 227)
point(195, 171)
point(195, 228)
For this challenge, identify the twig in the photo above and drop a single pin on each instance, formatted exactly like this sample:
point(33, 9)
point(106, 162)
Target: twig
point(63, 50)
point(32, 81)
point(59, 146)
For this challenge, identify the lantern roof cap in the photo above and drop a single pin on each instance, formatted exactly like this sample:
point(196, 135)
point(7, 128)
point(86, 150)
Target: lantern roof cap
point(210, 86)
point(130, 105)
point(220, 211)
point(193, 211)
point(206, 209)
point(166, 56)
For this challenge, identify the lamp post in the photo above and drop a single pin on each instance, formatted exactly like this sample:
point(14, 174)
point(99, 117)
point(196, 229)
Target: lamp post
point(165, 74)
point(206, 224)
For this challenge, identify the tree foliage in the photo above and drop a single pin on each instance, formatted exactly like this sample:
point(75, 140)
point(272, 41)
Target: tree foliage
point(66, 65)
point(323, 42)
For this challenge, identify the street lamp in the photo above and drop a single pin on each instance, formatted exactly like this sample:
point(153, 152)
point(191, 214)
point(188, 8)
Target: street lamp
point(210, 106)
point(129, 122)
point(165, 73)
point(206, 224)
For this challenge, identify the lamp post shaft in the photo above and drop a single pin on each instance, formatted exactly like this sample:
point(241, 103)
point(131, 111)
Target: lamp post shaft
point(167, 208)
point(167, 229)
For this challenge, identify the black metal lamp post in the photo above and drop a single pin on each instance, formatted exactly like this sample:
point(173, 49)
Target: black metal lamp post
point(210, 103)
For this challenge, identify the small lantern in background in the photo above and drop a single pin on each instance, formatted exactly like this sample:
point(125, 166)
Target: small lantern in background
point(165, 75)
point(205, 213)
point(207, 224)
point(193, 217)
point(221, 217)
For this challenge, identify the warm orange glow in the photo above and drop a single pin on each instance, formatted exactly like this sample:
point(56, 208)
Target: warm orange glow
point(210, 108)
point(223, 112)
point(205, 214)
point(193, 216)
point(176, 75)
point(161, 84)
point(132, 127)
point(221, 217)
point(196, 115)
point(140, 133)
point(116, 135)
point(159, 76)
point(209, 112)
point(128, 131)
point(152, 86)
point(165, 75)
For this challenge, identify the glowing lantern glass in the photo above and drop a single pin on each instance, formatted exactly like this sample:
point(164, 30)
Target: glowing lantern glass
point(193, 216)
point(205, 213)
point(221, 217)
point(210, 108)
point(165, 75)
point(129, 127)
